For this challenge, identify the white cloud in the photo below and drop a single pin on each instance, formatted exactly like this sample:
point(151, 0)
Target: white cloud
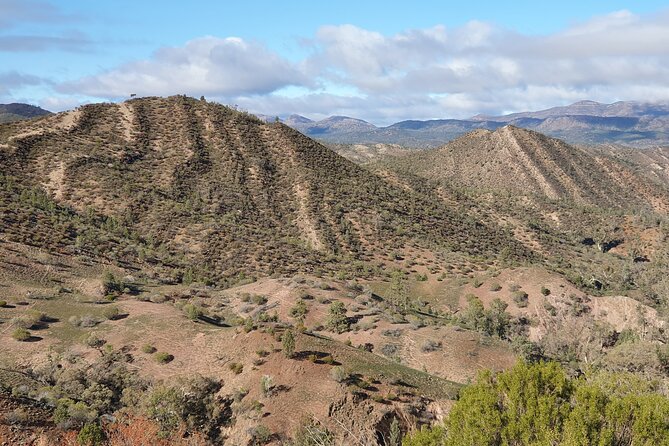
point(203, 66)
point(436, 72)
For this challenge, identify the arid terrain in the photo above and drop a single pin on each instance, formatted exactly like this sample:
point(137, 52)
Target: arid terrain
point(175, 271)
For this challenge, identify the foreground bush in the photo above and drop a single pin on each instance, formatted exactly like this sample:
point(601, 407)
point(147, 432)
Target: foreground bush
point(538, 404)
point(21, 334)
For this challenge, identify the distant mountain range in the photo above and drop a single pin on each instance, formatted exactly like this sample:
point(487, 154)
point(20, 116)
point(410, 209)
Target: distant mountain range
point(587, 122)
point(17, 112)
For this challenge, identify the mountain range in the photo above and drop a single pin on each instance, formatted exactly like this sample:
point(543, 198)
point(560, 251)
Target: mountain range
point(586, 122)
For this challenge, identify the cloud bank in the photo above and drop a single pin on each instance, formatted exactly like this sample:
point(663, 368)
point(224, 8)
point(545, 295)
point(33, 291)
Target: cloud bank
point(418, 73)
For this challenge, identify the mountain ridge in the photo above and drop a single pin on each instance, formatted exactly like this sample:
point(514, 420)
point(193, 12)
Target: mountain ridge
point(17, 111)
point(585, 122)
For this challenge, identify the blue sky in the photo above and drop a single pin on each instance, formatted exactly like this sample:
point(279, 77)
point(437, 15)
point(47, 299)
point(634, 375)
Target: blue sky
point(379, 60)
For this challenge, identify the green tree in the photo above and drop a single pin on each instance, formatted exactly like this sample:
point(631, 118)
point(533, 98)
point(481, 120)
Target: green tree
point(299, 310)
point(288, 342)
point(395, 435)
point(538, 404)
point(91, 435)
point(337, 320)
point(435, 436)
point(398, 293)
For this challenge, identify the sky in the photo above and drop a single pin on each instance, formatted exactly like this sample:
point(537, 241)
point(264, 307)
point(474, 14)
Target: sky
point(382, 61)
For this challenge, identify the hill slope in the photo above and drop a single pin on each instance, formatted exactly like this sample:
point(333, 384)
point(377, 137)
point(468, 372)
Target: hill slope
point(17, 112)
point(226, 191)
point(523, 162)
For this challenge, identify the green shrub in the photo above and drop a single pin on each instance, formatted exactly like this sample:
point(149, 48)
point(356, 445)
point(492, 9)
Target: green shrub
point(3, 303)
point(267, 385)
point(260, 435)
point(339, 374)
point(21, 334)
point(430, 345)
point(259, 299)
point(148, 348)
point(288, 343)
point(545, 291)
point(540, 404)
point(495, 286)
point(163, 357)
point(111, 312)
point(299, 310)
point(236, 367)
point(94, 341)
point(91, 435)
point(520, 298)
point(192, 311)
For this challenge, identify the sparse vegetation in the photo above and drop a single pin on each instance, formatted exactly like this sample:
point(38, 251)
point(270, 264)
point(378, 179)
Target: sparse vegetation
point(337, 320)
point(288, 342)
point(21, 334)
point(163, 357)
point(236, 367)
point(220, 235)
point(520, 298)
point(148, 349)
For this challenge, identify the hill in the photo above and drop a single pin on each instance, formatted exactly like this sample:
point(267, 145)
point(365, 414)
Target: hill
point(17, 112)
point(205, 277)
point(524, 162)
point(227, 192)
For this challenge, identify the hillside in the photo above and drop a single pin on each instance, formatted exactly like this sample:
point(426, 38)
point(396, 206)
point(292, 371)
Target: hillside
point(523, 162)
point(17, 112)
point(221, 189)
point(193, 275)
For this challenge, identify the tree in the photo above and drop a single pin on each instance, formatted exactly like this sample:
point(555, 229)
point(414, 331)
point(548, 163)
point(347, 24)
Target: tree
point(435, 436)
point(91, 435)
point(288, 341)
point(299, 310)
point(498, 319)
point(538, 404)
point(395, 436)
point(337, 320)
point(399, 295)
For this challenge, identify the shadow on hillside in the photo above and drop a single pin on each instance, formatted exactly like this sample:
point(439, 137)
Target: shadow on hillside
point(315, 357)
